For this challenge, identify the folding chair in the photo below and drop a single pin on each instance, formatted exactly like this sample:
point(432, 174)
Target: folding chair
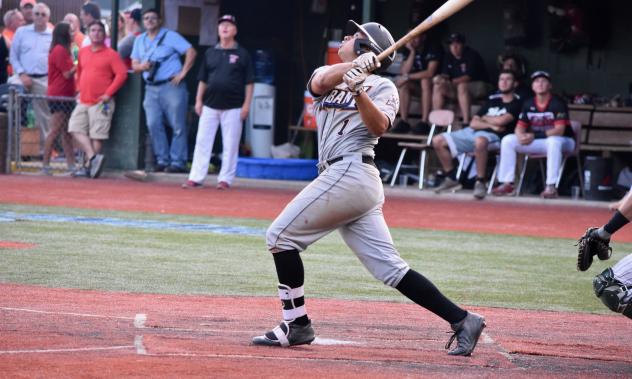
point(440, 118)
point(491, 149)
point(573, 154)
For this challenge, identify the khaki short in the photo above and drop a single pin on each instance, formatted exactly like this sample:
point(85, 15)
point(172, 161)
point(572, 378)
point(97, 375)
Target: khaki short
point(478, 90)
point(92, 120)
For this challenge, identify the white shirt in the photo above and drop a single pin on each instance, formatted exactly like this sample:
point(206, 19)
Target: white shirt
point(30, 49)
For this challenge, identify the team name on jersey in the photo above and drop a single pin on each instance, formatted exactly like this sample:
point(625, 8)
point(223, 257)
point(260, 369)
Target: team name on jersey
point(541, 120)
point(496, 111)
point(341, 99)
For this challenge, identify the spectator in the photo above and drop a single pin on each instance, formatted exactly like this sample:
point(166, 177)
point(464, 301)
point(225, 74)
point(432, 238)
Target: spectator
point(463, 77)
point(419, 67)
point(13, 19)
point(29, 58)
point(90, 12)
point(100, 73)
point(543, 128)
point(4, 55)
point(157, 55)
point(61, 82)
point(494, 120)
point(132, 29)
point(223, 97)
point(26, 7)
point(75, 30)
point(515, 63)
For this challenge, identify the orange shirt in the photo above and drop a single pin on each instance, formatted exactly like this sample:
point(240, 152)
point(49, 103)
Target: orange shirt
point(99, 72)
point(79, 38)
point(8, 38)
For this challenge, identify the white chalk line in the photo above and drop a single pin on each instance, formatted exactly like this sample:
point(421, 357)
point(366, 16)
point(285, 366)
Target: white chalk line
point(69, 350)
point(490, 341)
point(64, 313)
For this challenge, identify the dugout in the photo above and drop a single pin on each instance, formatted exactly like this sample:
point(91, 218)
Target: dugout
point(296, 32)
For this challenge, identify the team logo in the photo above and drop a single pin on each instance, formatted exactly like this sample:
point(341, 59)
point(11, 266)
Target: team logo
point(341, 99)
point(496, 111)
point(233, 58)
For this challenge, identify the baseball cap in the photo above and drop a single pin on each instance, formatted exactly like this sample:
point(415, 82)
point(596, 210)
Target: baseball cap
point(136, 14)
point(540, 74)
point(227, 18)
point(456, 37)
point(24, 3)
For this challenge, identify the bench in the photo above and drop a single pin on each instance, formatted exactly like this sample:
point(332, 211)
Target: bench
point(604, 129)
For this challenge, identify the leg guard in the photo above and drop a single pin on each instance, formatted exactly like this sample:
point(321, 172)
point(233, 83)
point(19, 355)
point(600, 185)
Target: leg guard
point(289, 333)
point(616, 296)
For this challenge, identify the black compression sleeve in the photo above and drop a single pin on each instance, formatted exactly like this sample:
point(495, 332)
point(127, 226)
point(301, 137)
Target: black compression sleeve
point(617, 222)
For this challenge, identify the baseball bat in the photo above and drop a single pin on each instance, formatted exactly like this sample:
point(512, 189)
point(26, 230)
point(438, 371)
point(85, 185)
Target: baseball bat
point(449, 8)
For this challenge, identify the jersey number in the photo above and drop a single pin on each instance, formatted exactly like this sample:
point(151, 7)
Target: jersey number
point(344, 125)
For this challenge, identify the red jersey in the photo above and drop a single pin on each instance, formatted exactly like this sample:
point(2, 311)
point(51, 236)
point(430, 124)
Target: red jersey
point(99, 72)
point(60, 61)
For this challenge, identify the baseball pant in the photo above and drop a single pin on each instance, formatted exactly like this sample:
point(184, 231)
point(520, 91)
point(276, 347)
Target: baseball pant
point(553, 147)
point(231, 125)
point(623, 270)
point(347, 196)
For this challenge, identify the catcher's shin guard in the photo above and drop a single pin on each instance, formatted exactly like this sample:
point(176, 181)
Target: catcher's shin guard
point(614, 294)
point(467, 333)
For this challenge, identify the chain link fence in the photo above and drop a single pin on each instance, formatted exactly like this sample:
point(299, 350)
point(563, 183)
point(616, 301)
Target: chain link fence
point(38, 138)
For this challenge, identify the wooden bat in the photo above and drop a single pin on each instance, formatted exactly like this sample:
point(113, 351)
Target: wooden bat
point(449, 8)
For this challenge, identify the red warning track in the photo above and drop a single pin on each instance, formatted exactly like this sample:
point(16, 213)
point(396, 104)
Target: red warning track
point(543, 220)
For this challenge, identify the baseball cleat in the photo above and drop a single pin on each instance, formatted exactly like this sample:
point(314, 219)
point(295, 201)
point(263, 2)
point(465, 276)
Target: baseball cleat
point(286, 334)
point(466, 333)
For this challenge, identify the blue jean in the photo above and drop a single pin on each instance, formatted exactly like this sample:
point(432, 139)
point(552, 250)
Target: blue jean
point(167, 102)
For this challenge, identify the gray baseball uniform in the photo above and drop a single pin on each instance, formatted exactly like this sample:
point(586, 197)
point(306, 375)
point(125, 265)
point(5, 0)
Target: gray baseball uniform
point(348, 194)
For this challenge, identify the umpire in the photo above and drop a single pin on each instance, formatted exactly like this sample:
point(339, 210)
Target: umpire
point(223, 97)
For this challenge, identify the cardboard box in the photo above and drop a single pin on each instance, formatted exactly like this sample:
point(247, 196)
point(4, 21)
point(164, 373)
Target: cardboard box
point(30, 142)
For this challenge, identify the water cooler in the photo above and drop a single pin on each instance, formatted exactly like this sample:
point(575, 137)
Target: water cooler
point(260, 122)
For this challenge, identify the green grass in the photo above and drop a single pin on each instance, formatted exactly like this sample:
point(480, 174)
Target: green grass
point(473, 269)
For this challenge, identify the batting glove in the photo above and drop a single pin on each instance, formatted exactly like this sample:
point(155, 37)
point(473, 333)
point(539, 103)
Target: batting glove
point(367, 62)
point(354, 78)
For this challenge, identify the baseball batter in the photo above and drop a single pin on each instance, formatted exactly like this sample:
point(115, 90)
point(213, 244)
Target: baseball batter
point(353, 108)
point(614, 285)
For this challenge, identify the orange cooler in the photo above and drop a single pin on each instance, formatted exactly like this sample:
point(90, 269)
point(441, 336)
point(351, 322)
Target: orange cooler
point(309, 121)
point(332, 52)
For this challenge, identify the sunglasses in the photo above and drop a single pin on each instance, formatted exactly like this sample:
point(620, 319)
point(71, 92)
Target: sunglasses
point(38, 14)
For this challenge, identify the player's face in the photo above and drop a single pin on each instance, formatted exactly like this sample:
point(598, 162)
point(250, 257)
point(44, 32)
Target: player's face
point(456, 48)
point(226, 30)
point(345, 52)
point(541, 86)
point(506, 83)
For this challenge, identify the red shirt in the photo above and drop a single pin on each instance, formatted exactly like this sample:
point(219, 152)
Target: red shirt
point(99, 72)
point(60, 61)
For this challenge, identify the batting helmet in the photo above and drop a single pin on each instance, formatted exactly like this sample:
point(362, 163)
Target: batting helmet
point(378, 39)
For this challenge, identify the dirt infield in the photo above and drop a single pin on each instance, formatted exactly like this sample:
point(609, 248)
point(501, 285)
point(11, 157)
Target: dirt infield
point(123, 334)
point(432, 213)
point(48, 332)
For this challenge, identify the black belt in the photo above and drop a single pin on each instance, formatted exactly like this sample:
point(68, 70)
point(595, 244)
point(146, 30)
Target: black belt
point(365, 159)
point(37, 75)
point(160, 82)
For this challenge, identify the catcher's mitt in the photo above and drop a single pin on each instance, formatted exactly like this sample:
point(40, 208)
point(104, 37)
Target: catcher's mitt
point(591, 244)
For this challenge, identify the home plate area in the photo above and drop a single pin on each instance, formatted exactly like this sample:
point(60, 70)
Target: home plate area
point(43, 327)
